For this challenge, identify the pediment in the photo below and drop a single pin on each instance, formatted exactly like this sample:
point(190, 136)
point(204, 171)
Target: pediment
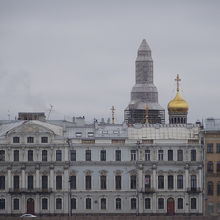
point(29, 129)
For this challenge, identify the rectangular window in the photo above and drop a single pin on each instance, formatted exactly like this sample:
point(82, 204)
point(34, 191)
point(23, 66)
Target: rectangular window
point(193, 155)
point(193, 182)
point(16, 140)
point(180, 155)
point(2, 204)
point(103, 203)
point(170, 182)
point(147, 203)
point(88, 182)
point(72, 182)
point(160, 182)
point(30, 155)
point(16, 155)
point(133, 155)
point(44, 140)
point(147, 155)
point(118, 155)
point(133, 182)
point(2, 182)
point(209, 148)
point(73, 155)
point(218, 188)
point(118, 182)
point(103, 155)
point(58, 182)
point(44, 182)
point(16, 182)
point(44, 155)
point(103, 182)
point(2, 155)
point(30, 140)
point(147, 182)
point(30, 182)
point(58, 155)
point(217, 148)
point(160, 155)
point(88, 155)
point(180, 182)
point(170, 155)
point(160, 203)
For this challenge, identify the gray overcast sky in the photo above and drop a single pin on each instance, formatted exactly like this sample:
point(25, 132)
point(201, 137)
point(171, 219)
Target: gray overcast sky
point(80, 56)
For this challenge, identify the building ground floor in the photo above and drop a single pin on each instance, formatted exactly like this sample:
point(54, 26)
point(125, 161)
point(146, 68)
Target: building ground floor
point(102, 202)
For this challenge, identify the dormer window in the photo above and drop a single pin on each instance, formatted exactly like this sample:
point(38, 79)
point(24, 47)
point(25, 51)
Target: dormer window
point(115, 132)
point(78, 134)
point(30, 139)
point(44, 140)
point(16, 140)
point(90, 134)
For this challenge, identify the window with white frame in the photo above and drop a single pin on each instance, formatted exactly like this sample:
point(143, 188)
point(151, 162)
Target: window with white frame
point(133, 155)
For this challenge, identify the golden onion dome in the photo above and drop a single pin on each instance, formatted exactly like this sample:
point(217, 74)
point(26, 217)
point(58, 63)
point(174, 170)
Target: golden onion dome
point(178, 104)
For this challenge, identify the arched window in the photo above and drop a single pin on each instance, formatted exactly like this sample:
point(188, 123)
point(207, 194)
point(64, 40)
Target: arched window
point(210, 166)
point(147, 203)
point(16, 204)
point(160, 203)
point(88, 203)
point(133, 203)
point(58, 203)
point(193, 203)
point(210, 188)
point(73, 203)
point(180, 203)
point(103, 203)
point(44, 203)
point(118, 203)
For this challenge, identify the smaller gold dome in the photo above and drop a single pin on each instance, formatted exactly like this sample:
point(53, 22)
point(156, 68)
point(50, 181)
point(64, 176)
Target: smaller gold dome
point(178, 104)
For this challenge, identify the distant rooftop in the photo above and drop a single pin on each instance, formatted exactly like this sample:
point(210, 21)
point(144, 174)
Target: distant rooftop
point(212, 124)
point(32, 116)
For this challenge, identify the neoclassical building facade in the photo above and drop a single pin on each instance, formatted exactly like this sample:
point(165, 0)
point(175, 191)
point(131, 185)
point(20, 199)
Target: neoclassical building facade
point(60, 167)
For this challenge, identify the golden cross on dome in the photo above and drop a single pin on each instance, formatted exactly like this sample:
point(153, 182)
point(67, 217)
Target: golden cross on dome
point(177, 83)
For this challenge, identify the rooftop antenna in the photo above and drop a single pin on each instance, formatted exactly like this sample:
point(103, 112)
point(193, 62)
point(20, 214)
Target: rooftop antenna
point(50, 110)
point(113, 114)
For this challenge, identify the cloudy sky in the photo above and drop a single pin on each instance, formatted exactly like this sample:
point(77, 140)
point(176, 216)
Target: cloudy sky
point(80, 55)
